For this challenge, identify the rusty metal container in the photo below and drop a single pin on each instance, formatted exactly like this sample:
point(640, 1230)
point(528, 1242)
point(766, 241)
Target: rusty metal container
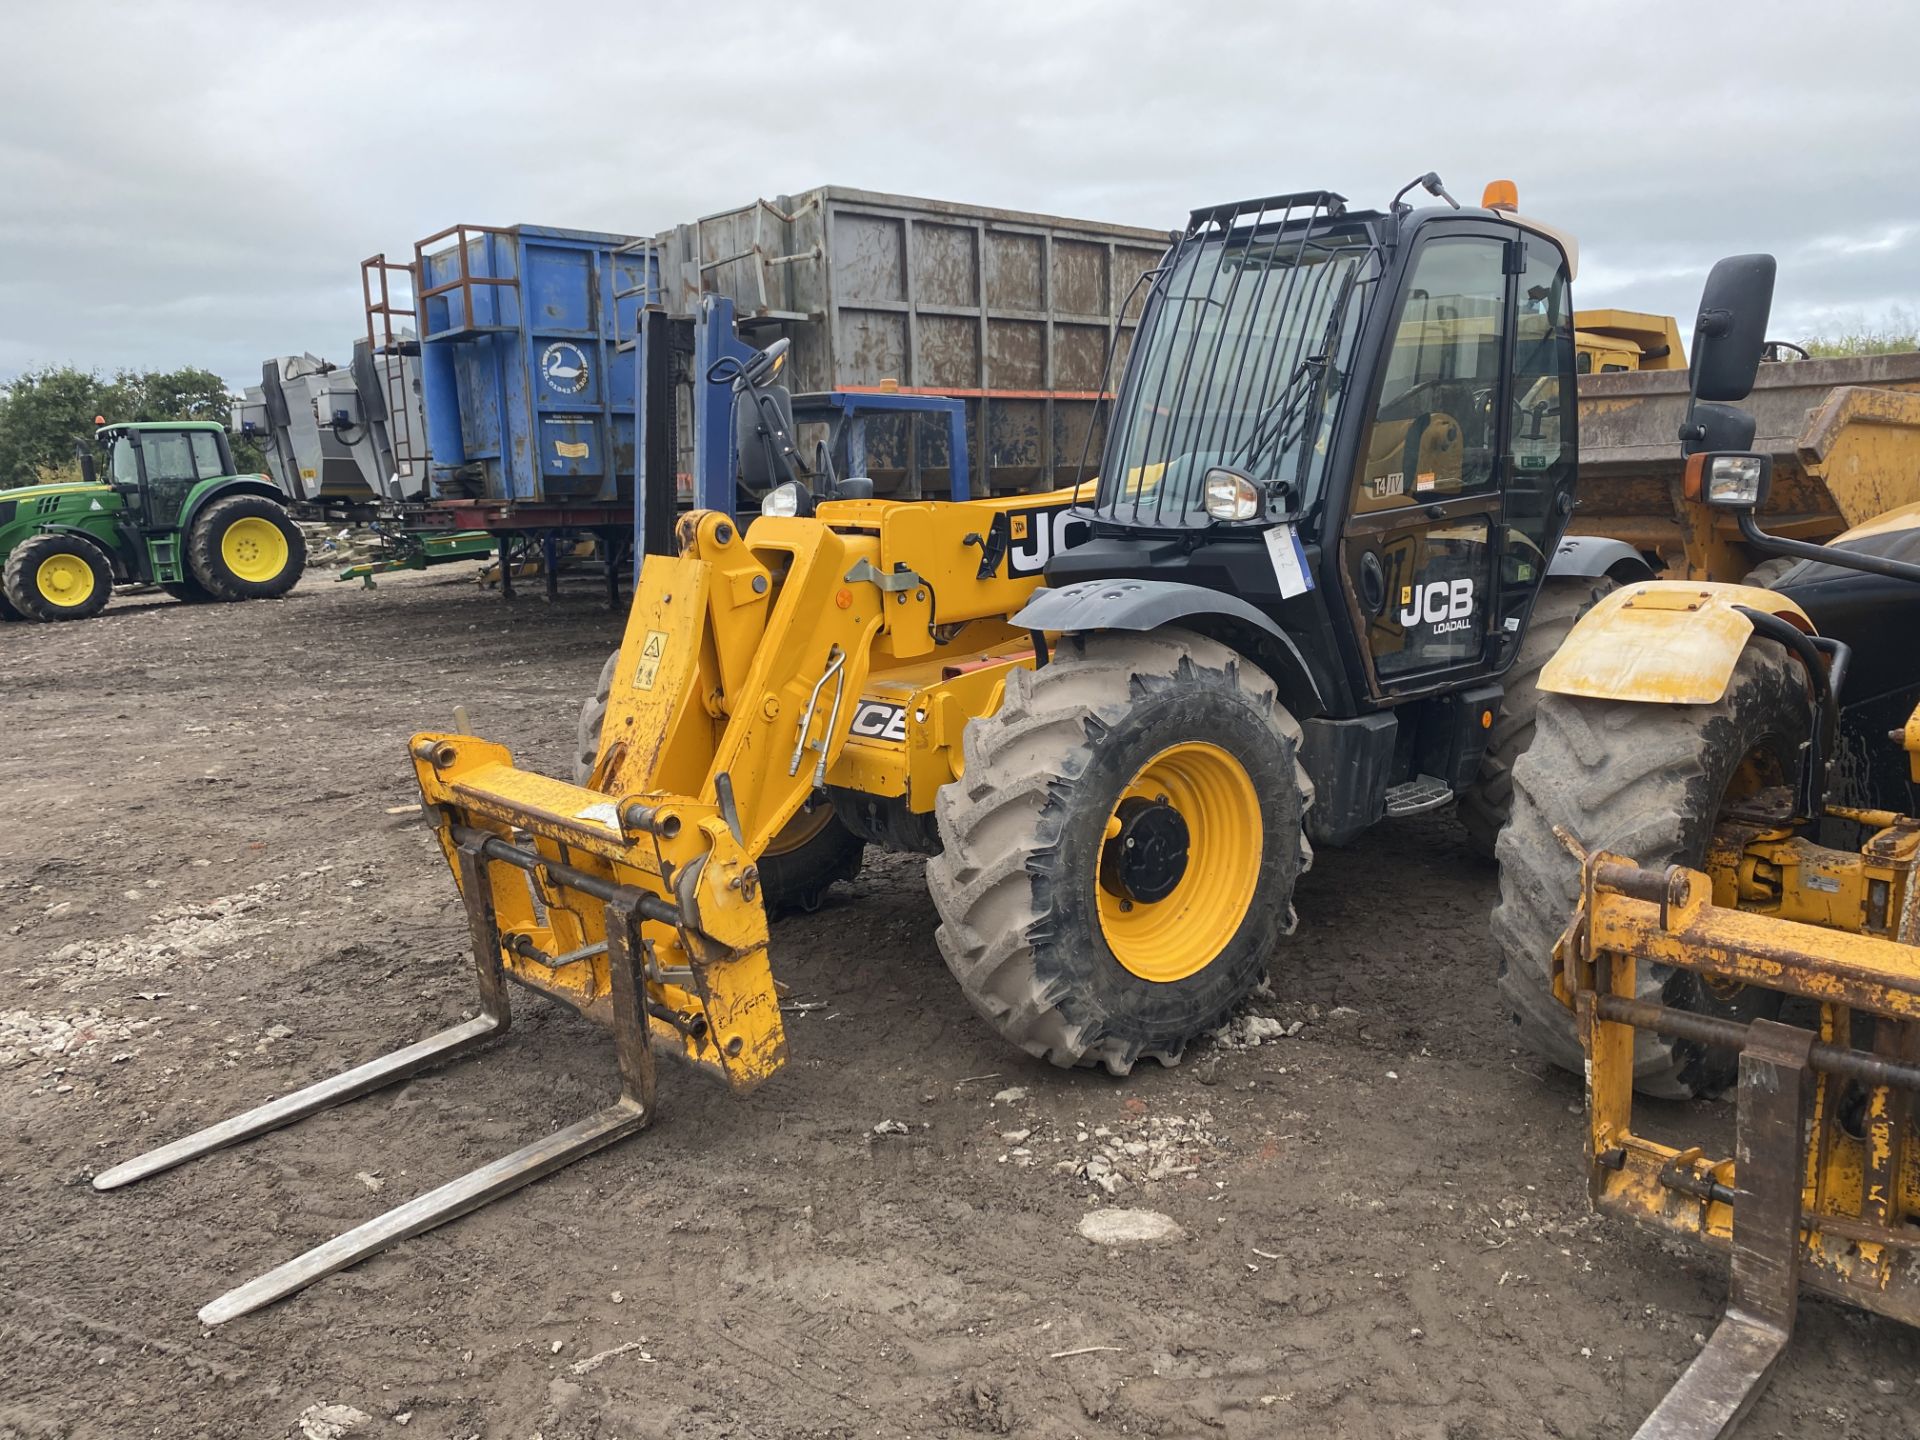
point(1011, 312)
point(1844, 435)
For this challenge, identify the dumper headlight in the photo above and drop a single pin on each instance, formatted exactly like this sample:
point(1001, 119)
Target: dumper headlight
point(787, 499)
point(1231, 495)
point(1737, 482)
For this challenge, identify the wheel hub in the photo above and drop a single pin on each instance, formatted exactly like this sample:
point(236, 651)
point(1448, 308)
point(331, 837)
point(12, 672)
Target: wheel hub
point(1146, 860)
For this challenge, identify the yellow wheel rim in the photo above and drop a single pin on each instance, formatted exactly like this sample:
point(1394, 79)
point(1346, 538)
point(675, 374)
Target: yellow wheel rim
point(64, 580)
point(1181, 933)
point(800, 829)
point(254, 549)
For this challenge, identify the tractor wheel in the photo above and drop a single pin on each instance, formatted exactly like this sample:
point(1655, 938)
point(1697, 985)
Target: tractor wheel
point(246, 548)
point(1768, 572)
point(1649, 782)
point(1121, 850)
point(189, 591)
point(7, 612)
point(804, 860)
point(57, 577)
point(1484, 805)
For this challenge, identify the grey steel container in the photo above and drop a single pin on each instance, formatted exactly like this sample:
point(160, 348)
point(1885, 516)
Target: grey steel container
point(1010, 311)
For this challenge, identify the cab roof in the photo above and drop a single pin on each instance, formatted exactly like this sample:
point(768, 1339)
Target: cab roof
point(160, 425)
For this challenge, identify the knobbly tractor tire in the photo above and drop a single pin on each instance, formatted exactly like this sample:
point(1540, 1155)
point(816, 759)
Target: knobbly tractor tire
point(189, 592)
point(1083, 949)
point(57, 577)
point(1768, 572)
point(1645, 781)
point(246, 547)
point(805, 860)
point(1485, 804)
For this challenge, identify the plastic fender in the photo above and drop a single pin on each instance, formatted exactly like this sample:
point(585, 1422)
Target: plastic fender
point(1662, 642)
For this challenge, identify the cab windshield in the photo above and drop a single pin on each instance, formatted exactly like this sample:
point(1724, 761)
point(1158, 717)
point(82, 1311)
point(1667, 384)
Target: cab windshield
point(1239, 362)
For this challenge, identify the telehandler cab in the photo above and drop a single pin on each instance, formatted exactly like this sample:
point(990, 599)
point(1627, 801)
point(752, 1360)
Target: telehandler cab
point(1338, 461)
point(171, 513)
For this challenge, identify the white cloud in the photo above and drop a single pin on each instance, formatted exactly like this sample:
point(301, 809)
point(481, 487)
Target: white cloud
point(196, 183)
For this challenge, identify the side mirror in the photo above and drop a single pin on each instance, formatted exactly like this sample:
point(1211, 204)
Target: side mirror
point(1716, 427)
point(1730, 333)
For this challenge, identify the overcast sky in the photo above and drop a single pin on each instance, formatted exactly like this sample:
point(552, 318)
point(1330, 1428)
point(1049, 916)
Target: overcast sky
point(196, 183)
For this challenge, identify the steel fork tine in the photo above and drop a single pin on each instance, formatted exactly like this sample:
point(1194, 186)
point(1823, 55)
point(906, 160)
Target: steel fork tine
point(436, 1207)
point(362, 1079)
point(324, 1095)
point(632, 1111)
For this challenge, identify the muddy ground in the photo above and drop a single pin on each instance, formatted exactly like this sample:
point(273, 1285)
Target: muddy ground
point(204, 900)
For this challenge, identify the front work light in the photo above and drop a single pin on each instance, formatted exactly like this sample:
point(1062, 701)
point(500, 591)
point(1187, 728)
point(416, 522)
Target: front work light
point(1736, 482)
point(787, 499)
point(1231, 495)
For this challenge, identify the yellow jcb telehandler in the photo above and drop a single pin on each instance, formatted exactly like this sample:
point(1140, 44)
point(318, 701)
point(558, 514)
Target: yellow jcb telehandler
point(1333, 488)
point(1712, 793)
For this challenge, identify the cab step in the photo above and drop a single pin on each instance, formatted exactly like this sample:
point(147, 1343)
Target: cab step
point(1418, 795)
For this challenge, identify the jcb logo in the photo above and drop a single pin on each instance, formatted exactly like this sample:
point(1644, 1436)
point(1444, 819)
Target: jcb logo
point(878, 720)
point(1436, 602)
point(1039, 535)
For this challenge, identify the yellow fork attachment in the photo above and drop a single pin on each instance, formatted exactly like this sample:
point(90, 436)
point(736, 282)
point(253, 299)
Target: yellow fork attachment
point(635, 899)
point(1824, 1186)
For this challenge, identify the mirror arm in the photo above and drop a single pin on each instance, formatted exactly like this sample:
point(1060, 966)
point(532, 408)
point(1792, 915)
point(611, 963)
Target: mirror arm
point(1767, 544)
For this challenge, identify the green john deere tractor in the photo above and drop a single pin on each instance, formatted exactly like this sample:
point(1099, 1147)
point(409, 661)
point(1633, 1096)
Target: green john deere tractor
point(170, 512)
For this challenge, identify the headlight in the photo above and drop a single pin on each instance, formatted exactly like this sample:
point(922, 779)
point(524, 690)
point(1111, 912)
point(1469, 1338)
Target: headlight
point(1231, 495)
point(787, 499)
point(1735, 480)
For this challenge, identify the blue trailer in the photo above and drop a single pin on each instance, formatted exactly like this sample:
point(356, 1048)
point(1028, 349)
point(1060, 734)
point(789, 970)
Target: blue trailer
point(529, 392)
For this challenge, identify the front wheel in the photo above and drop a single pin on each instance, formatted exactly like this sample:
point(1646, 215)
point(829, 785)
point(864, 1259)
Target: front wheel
point(57, 577)
point(246, 547)
point(1649, 782)
point(1121, 849)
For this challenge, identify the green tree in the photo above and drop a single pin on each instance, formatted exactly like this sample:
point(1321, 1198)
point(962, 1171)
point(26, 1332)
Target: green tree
point(42, 414)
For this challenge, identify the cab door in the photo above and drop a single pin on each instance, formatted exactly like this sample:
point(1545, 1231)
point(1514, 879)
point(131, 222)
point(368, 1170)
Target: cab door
point(1428, 561)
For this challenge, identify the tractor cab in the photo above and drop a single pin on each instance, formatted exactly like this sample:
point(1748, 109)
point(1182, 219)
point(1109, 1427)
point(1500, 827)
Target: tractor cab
point(154, 467)
point(1344, 444)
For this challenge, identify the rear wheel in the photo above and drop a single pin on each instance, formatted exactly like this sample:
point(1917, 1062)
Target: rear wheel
point(806, 858)
point(57, 577)
point(246, 547)
point(1485, 804)
point(1121, 850)
point(1649, 782)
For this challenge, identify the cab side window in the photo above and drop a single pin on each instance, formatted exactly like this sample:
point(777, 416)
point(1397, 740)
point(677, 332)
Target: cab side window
point(1434, 429)
point(206, 455)
point(1540, 430)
